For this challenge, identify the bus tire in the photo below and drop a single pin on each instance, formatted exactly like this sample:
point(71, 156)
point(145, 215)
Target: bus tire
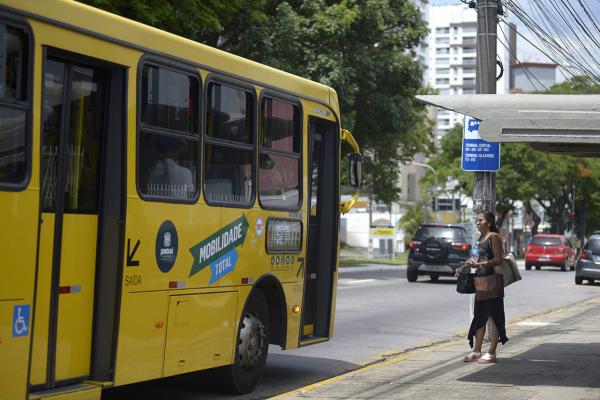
point(253, 339)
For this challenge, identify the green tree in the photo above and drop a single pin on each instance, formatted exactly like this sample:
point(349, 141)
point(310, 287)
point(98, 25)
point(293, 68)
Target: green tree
point(200, 20)
point(412, 219)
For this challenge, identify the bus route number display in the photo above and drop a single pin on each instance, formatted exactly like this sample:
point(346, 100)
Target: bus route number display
point(478, 154)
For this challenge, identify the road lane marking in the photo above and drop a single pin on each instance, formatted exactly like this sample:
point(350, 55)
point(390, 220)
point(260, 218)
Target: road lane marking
point(356, 280)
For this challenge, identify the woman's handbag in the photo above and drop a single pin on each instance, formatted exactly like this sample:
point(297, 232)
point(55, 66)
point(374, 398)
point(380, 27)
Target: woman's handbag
point(508, 269)
point(488, 287)
point(465, 283)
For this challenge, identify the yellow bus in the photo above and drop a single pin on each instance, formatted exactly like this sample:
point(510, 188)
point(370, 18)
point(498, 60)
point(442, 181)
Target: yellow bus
point(165, 207)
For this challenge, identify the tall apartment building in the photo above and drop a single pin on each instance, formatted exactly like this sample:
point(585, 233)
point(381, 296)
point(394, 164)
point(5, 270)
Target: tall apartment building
point(453, 57)
point(422, 49)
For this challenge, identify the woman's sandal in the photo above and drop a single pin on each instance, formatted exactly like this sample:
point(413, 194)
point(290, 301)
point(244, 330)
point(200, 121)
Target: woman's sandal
point(472, 357)
point(487, 358)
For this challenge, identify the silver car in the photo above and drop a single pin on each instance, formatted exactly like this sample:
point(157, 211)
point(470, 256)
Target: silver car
point(588, 264)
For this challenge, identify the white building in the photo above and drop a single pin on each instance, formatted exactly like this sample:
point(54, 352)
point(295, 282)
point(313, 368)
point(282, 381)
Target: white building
point(453, 57)
point(528, 77)
point(422, 49)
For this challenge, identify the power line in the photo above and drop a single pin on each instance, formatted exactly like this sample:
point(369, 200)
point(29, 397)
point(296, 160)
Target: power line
point(527, 72)
point(563, 35)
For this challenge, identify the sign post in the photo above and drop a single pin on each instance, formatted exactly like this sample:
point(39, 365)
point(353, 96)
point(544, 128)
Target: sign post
point(478, 154)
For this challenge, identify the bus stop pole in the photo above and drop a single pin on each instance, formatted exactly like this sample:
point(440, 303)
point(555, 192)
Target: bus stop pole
point(484, 185)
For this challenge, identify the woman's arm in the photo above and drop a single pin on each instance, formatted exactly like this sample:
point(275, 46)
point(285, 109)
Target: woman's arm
point(496, 243)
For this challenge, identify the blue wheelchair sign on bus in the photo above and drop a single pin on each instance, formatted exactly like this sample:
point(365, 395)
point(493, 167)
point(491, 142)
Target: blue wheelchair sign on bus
point(478, 154)
point(20, 320)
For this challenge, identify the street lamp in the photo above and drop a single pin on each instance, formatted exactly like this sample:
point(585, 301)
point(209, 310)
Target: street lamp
point(418, 164)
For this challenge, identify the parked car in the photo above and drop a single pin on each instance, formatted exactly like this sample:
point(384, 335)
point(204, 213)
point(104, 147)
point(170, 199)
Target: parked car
point(550, 250)
point(588, 264)
point(437, 250)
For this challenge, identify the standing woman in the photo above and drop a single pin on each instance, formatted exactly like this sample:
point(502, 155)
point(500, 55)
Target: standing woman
point(490, 255)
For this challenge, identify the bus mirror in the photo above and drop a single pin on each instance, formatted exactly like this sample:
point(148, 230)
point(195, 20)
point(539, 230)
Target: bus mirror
point(356, 179)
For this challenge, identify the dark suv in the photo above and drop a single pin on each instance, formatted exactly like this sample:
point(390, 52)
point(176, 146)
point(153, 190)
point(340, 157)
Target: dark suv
point(437, 250)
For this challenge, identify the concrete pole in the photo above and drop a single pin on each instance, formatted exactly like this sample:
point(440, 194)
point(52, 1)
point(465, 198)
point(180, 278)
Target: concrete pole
point(484, 186)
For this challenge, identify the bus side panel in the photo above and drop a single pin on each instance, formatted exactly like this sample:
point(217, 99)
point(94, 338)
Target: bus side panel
point(14, 352)
point(293, 296)
point(18, 242)
point(200, 332)
point(143, 328)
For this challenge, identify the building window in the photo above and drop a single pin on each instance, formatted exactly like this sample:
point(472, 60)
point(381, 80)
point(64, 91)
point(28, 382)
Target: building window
point(229, 151)
point(169, 134)
point(14, 105)
point(280, 146)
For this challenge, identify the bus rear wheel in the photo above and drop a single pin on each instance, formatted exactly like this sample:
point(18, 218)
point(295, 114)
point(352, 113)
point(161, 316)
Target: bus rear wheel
point(253, 339)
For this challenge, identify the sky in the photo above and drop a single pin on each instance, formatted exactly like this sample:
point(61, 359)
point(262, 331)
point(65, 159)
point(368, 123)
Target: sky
point(525, 51)
point(578, 38)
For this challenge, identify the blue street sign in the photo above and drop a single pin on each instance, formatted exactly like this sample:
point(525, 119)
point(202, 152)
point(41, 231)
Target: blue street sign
point(478, 154)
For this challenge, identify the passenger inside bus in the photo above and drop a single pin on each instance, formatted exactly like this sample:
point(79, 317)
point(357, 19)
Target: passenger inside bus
point(167, 176)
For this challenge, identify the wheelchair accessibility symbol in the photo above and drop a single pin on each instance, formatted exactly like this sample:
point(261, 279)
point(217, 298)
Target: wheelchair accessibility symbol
point(21, 320)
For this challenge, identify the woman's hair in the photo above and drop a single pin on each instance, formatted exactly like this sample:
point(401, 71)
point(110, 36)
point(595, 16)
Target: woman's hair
point(491, 220)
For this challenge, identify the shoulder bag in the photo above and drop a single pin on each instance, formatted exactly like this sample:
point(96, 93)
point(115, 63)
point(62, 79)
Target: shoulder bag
point(508, 269)
point(488, 287)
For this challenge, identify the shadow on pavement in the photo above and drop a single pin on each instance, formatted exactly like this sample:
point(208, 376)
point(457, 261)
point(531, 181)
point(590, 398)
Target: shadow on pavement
point(283, 373)
point(552, 364)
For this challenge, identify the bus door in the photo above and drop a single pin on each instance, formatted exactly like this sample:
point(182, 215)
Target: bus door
point(323, 221)
point(75, 195)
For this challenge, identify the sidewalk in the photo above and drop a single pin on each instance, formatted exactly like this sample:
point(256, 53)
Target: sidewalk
point(552, 356)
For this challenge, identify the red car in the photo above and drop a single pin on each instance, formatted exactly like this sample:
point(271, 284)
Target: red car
point(551, 250)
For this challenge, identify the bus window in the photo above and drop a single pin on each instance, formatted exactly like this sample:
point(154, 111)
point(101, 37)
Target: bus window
point(14, 64)
point(230, 146)
point(280, 144)
point(169, 135)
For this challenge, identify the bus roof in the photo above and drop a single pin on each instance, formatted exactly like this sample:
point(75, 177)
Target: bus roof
point(95, 22)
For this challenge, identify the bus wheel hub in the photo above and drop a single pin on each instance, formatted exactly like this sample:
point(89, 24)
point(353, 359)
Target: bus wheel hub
point(252, 341)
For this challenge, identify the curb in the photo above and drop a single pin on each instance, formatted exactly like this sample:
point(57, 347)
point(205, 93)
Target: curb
point(387, 358)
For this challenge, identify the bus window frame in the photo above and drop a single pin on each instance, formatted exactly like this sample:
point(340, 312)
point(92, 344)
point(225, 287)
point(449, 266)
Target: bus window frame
point(246, 87)
point(274, 95)
point(24, 105)
point(185, 69)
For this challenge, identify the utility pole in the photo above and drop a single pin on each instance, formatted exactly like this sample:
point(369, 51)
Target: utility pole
point(484, 185)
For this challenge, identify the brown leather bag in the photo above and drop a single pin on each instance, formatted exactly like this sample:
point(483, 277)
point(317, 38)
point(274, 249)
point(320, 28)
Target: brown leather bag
point(489, 287)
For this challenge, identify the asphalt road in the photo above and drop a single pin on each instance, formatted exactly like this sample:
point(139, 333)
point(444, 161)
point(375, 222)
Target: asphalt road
point(378, 313)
